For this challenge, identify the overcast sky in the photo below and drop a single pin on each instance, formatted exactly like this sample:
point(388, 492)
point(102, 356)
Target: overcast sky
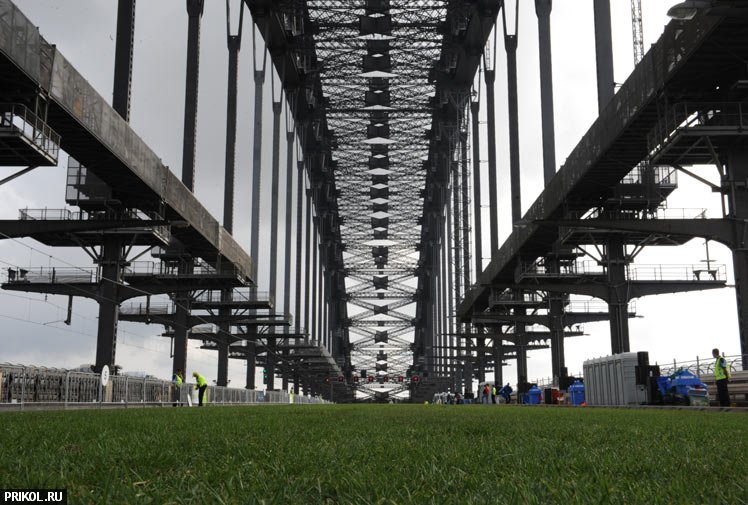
point(670, 326)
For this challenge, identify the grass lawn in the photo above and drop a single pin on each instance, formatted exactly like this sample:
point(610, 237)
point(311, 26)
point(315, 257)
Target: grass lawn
point(360, 454)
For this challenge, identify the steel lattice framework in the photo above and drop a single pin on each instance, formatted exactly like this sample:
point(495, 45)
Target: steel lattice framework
point(376, 68)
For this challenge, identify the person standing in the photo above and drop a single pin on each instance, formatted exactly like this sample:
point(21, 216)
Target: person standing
point(176, 379)
point(202, 386)
point(506, 392)
point(493, 394)
point(722, 376)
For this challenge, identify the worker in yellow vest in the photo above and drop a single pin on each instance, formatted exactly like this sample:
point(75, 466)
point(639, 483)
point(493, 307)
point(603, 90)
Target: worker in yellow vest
point(722, 376)
point(176, 379)
point(202, 386)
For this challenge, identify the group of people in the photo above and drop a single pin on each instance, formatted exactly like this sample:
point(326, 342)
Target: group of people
point(488, 394)
point(178, 380)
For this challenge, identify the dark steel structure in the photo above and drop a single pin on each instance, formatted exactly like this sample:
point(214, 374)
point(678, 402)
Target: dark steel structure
point(382, 246)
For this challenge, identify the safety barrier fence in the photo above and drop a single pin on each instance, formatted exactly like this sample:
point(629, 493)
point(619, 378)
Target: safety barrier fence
point(16, 118)
point(652, 273)
point(658, 213)
point(22, 386)
point(716, 117)
point(161, 231)
point(704, 366)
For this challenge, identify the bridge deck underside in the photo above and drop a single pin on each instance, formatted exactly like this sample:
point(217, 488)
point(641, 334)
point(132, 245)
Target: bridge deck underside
point(95, 135)
point(690, 62)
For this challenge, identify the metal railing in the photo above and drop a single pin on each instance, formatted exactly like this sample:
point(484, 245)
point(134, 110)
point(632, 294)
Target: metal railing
point(237, 295)
point(661, 273)
point(22, 386)
point(659, 213)
point(506, 297)
point(52, 275)
point(591, 306)
point(703, 366)
point(145, 308)
point(163, 232)
point(16, 118)
point(660, 175)
point(161, 268)
point(655, 273)
point(710, 116)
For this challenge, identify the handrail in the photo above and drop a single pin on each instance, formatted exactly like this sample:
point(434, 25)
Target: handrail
point(52, 275)
point(703, 115)
point(18, 118)
point(704, 366)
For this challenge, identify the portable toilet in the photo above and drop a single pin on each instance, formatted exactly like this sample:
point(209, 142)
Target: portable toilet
point(533, 395)
point(576, 391)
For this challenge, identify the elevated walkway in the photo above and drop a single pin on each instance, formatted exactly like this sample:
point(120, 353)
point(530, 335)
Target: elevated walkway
point(617, 142)
point(93, 133)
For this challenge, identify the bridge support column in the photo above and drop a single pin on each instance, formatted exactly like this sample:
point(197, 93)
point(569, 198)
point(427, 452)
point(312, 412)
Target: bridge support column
point(603, 53)
point(299, 244)
point(467, 370)
point(618, 296)
point(284, 378)
point(521, 351)
point(182, 301)
point(493, 199)
point(510, 44)
point(259, 79)
point(481, 361)
point(289, 210)
point(270, 361)
point(251, 364)
point(308, 295)
point(556, 328)
point(223, 360)
point(274, 211)
point(737, 174)
point(520, 344)
point(224, 340)
point(543, 11)
point(498, 360)
point(194, 12)
point(123, 58)
point(475, 117)
point(110, 263)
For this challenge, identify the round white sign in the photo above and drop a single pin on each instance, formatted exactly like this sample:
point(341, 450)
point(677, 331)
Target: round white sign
point(104, 375)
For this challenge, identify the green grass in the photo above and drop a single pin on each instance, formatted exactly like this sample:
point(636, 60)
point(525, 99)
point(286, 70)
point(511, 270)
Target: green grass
point(418, 454)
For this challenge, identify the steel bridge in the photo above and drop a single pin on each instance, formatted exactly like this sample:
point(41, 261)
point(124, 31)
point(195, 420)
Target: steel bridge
point(377, 105)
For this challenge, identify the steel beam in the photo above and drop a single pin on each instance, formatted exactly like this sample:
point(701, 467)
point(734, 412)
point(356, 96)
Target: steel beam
point(194, 13)
point(737, 196)
point(111, 263)
point(618, 298)
point(543, 11)
point(603, 53)
point(474, 115)
point(259, 80)
point(234, 44)
point(123, 58)
point(493, 197)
